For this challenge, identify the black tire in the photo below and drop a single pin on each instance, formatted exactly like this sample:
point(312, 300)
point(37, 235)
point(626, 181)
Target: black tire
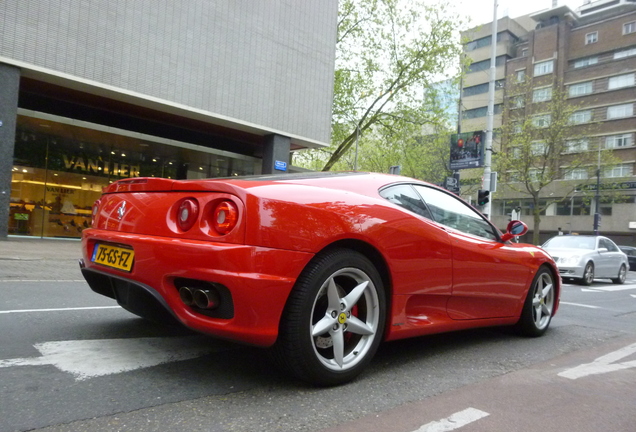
point(588, 274)
point(622, 275)
point(539, 305)
point(334, 319)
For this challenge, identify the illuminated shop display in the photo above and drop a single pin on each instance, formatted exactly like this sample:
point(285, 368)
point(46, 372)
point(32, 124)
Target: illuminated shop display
point(59, 171)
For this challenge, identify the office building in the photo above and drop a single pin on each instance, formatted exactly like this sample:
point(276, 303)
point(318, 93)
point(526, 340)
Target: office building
point(590, 53)
point(96, 91)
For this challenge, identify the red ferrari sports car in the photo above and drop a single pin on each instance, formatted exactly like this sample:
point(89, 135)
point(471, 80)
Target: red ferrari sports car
point(321, 267)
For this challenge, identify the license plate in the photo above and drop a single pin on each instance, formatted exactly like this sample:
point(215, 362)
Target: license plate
point(113, 256)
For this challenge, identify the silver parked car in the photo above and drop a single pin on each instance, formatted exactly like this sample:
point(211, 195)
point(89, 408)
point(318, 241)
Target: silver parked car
point(586, 258)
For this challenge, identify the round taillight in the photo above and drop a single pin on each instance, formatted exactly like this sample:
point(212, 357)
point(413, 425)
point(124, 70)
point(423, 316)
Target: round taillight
point(96, 205)
point(225, 217)
point(187, 214)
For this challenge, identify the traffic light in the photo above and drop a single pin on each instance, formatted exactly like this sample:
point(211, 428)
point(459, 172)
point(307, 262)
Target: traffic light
point(482, 197)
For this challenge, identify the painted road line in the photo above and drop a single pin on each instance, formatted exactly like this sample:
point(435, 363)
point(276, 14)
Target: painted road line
point(603, 364)
point(41, 280)
point(59, 309)
point(86, 359)
point(455, 421)
point(580, 305)
point(609, 288)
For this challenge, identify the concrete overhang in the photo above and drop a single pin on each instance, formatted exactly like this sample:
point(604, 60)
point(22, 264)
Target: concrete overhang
point(90, 87)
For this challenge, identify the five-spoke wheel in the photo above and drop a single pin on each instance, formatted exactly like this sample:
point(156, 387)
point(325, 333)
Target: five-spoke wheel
point(588, 274)
point(334, 319)
point(622, 275)
point(539, 304)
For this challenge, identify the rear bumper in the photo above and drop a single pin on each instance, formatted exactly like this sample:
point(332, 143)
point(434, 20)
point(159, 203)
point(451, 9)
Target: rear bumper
point(258, 282)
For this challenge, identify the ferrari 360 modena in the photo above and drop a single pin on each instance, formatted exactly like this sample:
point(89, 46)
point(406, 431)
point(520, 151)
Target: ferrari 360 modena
point(319, 268)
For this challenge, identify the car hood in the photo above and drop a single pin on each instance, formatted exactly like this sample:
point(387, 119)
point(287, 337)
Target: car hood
point(567, 252)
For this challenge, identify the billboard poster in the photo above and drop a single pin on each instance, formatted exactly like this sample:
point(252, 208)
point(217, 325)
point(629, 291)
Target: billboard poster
point(467, 150)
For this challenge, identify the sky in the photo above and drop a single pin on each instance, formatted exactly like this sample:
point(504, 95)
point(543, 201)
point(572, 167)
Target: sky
point(481, 11)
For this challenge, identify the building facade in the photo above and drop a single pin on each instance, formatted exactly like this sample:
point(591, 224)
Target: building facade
point(590, 55)
point(95, 91)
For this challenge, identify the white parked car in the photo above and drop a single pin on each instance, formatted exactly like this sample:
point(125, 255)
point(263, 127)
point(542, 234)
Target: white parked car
point(586, 258)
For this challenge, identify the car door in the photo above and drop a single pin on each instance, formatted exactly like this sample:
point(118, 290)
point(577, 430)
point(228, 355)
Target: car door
point(610, 259)
point(490, 279)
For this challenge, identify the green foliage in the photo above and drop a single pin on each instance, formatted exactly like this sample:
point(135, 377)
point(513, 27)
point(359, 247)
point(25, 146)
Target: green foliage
point(390, 55)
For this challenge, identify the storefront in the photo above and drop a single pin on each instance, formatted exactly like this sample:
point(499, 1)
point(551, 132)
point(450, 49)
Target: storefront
point(61, 165)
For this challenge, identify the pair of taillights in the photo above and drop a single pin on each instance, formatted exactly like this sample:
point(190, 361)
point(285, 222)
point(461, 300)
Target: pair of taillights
point(224, 215)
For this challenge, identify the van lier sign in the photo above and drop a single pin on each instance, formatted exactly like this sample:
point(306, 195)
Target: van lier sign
point(99, 166)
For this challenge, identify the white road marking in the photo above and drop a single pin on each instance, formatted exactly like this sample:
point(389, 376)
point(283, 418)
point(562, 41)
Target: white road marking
point(581, 305)
point(92, 358)
point(42, 280)
point(603, 364)
point(455, 421)
point(59, 309)
point(609, 288)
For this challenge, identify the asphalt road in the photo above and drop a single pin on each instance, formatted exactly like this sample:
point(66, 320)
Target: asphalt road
point(71, 360)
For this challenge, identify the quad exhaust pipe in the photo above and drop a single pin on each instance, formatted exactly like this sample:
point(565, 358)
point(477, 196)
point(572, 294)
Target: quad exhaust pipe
point(199, 297)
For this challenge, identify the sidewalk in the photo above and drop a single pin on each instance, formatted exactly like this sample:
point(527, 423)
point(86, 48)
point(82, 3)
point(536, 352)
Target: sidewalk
point(23, 258)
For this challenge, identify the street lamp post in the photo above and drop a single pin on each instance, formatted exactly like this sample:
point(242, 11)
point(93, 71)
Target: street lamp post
point(597, 195)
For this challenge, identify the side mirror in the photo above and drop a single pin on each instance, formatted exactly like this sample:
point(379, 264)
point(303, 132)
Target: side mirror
point(515, 228)
point(601, 250)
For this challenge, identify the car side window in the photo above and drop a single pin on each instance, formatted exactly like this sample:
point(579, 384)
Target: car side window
point(609, 245)
point(455, 213)
point(404, 196)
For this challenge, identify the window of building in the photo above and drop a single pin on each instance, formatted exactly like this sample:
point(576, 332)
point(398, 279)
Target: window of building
point(619, 81)
point(521, 75)
point(485, 64)
point(537, 148)
point(591, 38)
point(581, 117)
point(480, 112)
point(622, 170)
point(542, 94)
point(480, 88)
point(618, 141)
point(629, 27)
point(581, 89)
point(576, 146)
point(542, 121)
point(576, 174)
point(478, 43)
point(624, 53)
point(524, 52)
point(518, 101)
point(516, 128)
point(620, 111)
point(585, 62)
point(534, 175)
point(543, 68)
